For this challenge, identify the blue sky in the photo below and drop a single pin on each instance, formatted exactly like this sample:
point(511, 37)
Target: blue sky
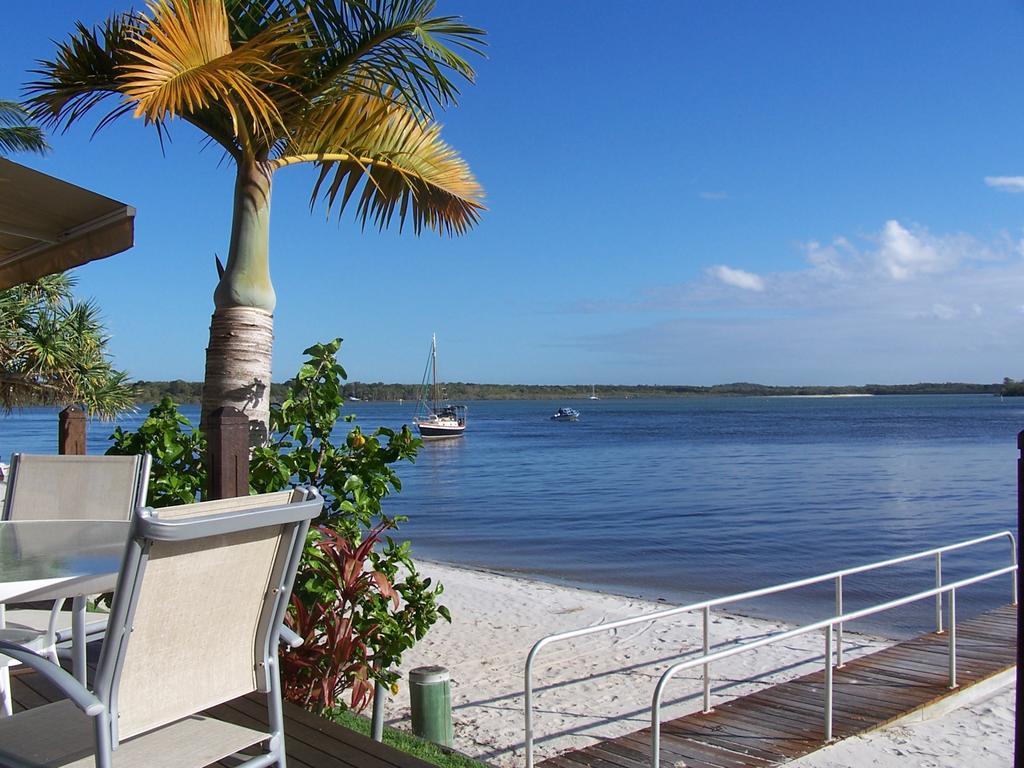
point(678, 192)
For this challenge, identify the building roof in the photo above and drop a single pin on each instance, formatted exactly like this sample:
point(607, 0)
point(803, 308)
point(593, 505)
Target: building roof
point(48, 225)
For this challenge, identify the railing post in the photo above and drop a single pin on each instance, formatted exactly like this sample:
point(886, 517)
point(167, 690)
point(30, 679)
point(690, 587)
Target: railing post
point(828, 683)
point(938, 597)
point(227, 432)
point(377, 722)
point(71, 431)
point(656, 720)
point(1015, 593)
point(1018, 748)
point(839, 626)
point(707, 647)
point(952, 638)
point(528, 703)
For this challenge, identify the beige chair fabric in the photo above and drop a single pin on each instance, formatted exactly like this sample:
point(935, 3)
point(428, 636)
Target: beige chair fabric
point(194, 624)
point(51, 487)
point(39, 620)
point(73, 487)
point(223, 505)
point(207, 654)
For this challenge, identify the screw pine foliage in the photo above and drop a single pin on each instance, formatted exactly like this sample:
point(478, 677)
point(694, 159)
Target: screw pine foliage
point(53, 351)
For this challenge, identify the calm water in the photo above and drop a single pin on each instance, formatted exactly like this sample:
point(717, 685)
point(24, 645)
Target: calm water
point(680, 499)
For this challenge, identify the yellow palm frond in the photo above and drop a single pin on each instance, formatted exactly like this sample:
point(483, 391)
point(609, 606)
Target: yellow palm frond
point(182, 63)
point(404, 166)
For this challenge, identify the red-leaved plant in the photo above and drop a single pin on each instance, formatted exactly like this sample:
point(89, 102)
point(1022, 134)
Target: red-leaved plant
point(335, 585)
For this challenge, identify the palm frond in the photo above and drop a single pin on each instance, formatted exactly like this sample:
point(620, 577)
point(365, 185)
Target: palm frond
point(392, 45)
point(22, 138)
point(402, 165)
point(183, 63)
point(82, 75)
point(12, 113)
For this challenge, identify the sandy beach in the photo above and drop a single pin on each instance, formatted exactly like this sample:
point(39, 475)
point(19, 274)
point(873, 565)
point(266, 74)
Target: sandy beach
point(600, 686)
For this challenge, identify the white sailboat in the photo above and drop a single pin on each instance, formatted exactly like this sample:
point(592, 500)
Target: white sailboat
point(435, 417)
point(593, 393)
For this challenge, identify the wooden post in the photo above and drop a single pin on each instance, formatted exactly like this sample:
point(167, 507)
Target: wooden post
point(1018, 747)
point(227, 434)
point(71, 431)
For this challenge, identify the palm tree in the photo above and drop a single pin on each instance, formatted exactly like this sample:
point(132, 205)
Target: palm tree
point(16, 133)
point(349, 86)
point(53, 351)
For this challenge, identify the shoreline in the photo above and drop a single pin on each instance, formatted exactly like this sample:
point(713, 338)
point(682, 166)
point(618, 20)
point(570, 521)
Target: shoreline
point(769, 612)
point(599, 686)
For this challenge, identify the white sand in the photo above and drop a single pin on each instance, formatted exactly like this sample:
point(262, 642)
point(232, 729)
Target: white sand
point(595, 687)
point(601, 686)
point(979, 735)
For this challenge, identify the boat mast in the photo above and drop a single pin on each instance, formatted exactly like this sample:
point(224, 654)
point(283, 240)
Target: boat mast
point(433, 366)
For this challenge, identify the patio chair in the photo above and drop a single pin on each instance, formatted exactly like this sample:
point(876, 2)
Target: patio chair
point(195, 623)
point(51, 487)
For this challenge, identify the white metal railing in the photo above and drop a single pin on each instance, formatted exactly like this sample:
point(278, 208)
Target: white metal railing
point(827, 625)
point(833, 627)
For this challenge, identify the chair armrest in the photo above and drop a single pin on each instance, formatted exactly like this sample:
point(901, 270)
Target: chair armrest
point(80, 696)
point(289, 638)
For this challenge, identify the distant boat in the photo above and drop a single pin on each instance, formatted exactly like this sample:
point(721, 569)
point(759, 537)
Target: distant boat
point(566, 414)
point(435, 417)
point(593, 394)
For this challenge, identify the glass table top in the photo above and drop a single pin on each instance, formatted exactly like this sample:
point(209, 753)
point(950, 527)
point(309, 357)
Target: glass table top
point(38, 552)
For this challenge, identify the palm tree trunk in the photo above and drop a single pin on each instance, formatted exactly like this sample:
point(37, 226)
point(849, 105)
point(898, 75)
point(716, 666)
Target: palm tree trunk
point(242, 329)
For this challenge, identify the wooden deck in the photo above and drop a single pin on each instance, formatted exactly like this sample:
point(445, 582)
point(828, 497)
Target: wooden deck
point(310, 741)
point(785, 721)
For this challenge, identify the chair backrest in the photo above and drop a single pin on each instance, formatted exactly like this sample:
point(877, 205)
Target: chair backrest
point(198, 607)
point(47, 487)
point(235, 503)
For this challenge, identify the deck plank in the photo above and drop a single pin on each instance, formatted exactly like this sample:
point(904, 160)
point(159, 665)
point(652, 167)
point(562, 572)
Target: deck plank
point(310, 741)
point(778, 724)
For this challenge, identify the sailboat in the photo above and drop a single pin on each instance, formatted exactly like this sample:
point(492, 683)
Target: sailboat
point(435, 417)
point(593, 393)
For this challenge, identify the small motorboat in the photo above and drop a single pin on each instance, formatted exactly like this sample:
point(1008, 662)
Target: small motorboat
point(566, 414)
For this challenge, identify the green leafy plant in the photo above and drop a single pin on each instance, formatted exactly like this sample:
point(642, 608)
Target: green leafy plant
point(359, 602)
point(334, 654)
point(352, 569)
point(178, 474)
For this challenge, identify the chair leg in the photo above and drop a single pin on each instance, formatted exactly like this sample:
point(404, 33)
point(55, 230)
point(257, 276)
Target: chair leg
point(78, 639)
point(6, 706)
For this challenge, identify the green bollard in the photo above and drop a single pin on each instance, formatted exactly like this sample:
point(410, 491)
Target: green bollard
point(430, 695)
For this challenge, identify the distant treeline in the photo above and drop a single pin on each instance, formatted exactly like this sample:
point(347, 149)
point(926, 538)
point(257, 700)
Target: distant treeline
point(190, 391)
point(184, 391)
point(1011, 388)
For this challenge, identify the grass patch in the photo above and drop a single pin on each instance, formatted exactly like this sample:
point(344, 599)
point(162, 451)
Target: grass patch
point(406, 742)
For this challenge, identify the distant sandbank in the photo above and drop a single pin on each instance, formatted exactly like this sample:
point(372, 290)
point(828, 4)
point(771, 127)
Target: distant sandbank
point(849, 394)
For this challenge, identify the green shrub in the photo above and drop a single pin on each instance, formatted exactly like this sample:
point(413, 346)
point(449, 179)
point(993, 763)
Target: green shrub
point(359, 602)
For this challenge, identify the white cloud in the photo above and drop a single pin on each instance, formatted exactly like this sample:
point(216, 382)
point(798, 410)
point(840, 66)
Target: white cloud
point(738, 278)
point(903, 303)
point(1006, 183)
point(904, 254)
point(945, 312)
point(829, 260)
